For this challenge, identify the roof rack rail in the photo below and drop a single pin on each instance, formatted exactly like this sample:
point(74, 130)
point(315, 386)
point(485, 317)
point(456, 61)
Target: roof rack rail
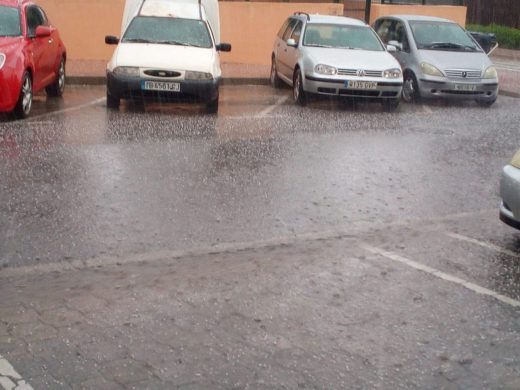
point(303, 13)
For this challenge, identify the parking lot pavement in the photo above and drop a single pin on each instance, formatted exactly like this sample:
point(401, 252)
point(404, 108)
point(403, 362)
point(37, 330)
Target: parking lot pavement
point(405, 306)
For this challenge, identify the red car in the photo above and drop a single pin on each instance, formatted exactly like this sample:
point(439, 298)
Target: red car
point(32, 56)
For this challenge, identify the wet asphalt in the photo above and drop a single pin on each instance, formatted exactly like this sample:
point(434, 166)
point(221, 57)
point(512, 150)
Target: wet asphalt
point(333, 179)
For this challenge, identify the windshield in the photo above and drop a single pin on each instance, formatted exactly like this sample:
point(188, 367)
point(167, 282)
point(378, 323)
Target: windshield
point(174, 31)
point(441, 36)
point(342, 37)
point(9, 22)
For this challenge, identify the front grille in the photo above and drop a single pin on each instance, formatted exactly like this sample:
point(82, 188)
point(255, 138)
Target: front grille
point(330, 91)
point(354, 72)
point(161, 73)
point(463, 74)
point(463, 92)
point(389, 94)
point(357, 92)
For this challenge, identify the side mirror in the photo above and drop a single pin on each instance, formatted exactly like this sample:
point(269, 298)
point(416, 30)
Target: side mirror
point(397, 45)
point(111, 40)
point(391, 49)
point(223, 47)
point(43, 31)
point(291, 42)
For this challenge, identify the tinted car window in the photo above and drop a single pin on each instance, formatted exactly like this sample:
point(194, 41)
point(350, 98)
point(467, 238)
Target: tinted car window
point(341, 36)
point(34, 19)
point(289, 29)
point(283, 28)
point(297, 32)
point(175, 31)
point(10, 22)
point(383, 29)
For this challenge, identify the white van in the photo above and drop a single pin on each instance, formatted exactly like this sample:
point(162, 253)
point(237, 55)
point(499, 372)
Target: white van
point(168, 52)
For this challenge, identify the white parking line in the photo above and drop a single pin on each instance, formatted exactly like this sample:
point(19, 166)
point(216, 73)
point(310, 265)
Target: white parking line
point(483, 244)
point(442, 275)
point(65, 110)
point(9, 378)
point(269, 109)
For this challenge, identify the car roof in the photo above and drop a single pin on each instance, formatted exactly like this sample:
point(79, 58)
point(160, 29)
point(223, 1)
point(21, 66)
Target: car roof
point(419, 18)
point(317, 18)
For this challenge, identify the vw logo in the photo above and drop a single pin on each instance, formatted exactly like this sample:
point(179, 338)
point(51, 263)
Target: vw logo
point(361, 73)
point(162, 74)
point(464, 74)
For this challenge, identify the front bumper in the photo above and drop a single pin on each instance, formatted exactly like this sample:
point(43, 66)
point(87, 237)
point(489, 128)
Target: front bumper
point(452, 89)
point(386, 89)
point(510, 194)
point(9, 91)
point(125, 87)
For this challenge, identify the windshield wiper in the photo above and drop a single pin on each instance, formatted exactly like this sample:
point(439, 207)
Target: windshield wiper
point(174, 43)
point(137, 40)
point(450, 45)
point(318, 45)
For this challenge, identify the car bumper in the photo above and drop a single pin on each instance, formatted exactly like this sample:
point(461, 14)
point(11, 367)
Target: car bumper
point(486, 91)
point(9, 92)
point(131, 88)
point(510, 194)
point(329, 86)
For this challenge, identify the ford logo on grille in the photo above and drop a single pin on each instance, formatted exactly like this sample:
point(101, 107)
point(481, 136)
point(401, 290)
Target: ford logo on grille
point(361, 73)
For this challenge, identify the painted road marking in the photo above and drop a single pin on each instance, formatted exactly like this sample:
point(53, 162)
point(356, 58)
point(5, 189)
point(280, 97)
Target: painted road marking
point(9, 378)
point(442, 275)
point(65, 110)
point(483, 244)
point(347, 232)
point(269, 109)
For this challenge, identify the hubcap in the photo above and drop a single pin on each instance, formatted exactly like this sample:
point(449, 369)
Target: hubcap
point(27, 95)
point(296, 88)
point(61, 76)
point(409, 89)
point(273, 72)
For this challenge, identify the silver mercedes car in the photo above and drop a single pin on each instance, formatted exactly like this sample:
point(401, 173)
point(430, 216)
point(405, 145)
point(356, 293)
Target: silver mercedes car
point(335, 56)
point(510, 193)
point(439, 59)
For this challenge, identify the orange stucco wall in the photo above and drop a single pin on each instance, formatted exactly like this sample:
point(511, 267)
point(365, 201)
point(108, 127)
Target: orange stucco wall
point(249, 26)
point(455, 13)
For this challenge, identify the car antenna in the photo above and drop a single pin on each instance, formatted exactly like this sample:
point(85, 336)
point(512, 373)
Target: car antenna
point(141, 7)
point(200, 9)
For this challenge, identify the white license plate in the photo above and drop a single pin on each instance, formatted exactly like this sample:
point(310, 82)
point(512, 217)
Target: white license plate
point(465, 87)
point(160, 86)
point(353, 84)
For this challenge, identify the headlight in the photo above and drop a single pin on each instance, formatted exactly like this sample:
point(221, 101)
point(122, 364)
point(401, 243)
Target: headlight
point(491, 73)
point(191, 75)
point(325, 69)
point(516, 160)
point(2, 60)
point(392, 73)
point(127, 71)
point(431, 70)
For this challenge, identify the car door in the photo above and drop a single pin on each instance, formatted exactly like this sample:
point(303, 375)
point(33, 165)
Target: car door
point(52, 52)
point(292, 53)
point(400, 33)
point(283, 63)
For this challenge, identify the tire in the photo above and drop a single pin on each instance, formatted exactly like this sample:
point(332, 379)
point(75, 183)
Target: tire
point(25, 100)
point(113, 101)
point(212, 106)
point(485, 103)
point(276, 81)
point(299, 95)
point(411, 93)
point(390, 105)
point(57, 88)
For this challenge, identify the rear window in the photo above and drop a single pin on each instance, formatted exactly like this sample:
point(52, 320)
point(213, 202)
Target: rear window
point(10, 22)
point(167, 30)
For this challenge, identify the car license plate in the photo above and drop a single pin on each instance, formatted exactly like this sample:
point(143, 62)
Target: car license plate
point(353, 84)
point(161, 86)
point(465, 87)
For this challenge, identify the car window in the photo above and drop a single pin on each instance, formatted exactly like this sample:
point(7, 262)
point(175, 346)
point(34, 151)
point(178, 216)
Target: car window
point(10, 22)
point(283, 28)
point(433, 35)
point(289, 29)
point(341, 36)
point(175, 31)
point(383, 29)
point(399, 35)
point(297, 31)
point(35, 18)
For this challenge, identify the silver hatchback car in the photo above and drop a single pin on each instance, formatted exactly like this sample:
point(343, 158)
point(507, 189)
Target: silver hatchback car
point(335, 56)
point(439, 59)
point(510, 193)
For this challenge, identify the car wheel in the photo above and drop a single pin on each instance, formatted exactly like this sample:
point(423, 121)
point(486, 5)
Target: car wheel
point(390, 105)
point(113, 101)
point(57, 88)
point(486, 103)
point(25, 100)
point(298, 92)
point(276, 81)
point(411, 92)
point(212, 106)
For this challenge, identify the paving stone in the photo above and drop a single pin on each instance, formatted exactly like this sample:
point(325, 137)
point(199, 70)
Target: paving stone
point(47, 382)
point(125, 371)
point(97, 383)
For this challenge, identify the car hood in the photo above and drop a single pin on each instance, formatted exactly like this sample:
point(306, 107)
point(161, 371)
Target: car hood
point(353, 59)
point(455, 60)
point(171, 57)
point(9, 43)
